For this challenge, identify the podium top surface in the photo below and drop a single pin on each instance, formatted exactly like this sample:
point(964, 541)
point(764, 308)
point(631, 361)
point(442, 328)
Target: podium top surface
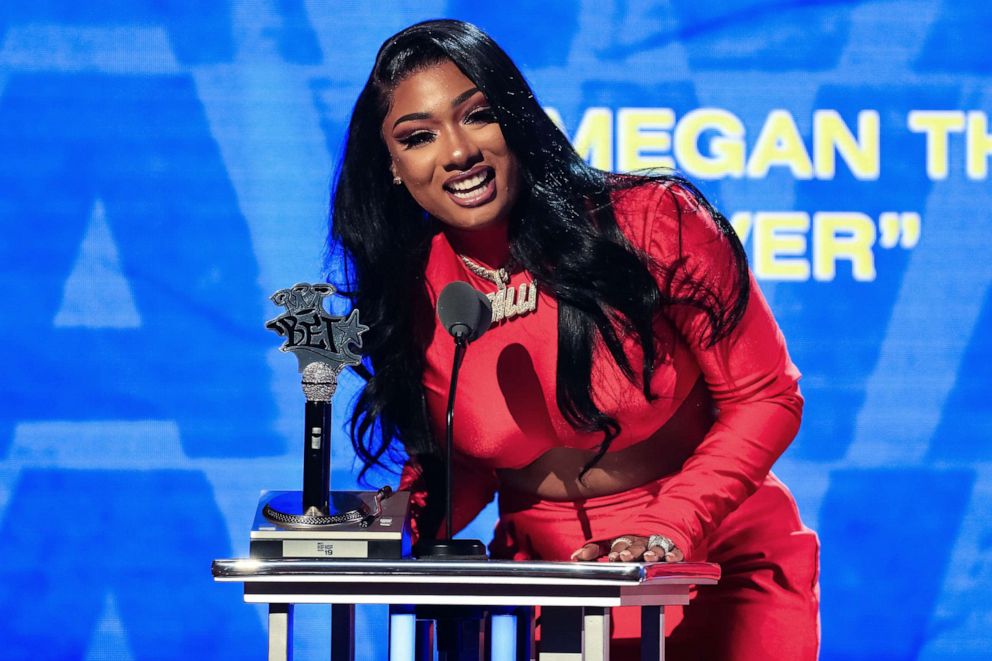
point(467, 571)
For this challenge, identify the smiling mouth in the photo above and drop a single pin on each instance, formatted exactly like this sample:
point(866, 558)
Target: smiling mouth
point(474, 188)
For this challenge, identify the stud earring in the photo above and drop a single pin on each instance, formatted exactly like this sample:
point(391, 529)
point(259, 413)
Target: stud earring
point(397, 181)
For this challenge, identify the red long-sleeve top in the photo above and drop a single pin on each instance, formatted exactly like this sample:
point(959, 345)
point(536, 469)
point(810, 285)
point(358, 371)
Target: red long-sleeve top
point(506, 414)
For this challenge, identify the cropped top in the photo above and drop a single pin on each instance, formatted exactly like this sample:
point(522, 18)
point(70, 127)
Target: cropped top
point(506, 412)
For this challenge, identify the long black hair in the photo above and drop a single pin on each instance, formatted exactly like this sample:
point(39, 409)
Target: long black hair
point(563, 231)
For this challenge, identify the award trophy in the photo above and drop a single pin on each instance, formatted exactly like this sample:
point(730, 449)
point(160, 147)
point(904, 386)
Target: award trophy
point(317, 522)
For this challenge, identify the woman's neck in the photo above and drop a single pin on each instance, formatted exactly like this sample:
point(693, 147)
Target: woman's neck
point(489, 246)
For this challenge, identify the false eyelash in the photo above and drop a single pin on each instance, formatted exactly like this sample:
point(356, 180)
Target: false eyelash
point(416, 139)
point(483, 113)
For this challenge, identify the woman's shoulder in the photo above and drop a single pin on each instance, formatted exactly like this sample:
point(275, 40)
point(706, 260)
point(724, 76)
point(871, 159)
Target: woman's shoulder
point(664, 217)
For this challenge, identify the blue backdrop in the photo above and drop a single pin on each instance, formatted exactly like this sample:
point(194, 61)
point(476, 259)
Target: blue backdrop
point(164, 167)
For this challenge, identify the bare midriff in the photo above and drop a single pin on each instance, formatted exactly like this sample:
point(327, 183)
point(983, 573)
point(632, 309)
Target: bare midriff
point(555, 474)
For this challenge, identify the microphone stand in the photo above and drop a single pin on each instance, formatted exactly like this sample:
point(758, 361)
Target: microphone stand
point(448, 548)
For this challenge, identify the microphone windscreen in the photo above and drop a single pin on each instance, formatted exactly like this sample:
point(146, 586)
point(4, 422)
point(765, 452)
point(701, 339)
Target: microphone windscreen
point(464, 310)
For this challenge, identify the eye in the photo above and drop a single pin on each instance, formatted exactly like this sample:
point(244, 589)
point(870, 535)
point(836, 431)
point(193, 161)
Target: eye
point(480, 115)
point(416, 139)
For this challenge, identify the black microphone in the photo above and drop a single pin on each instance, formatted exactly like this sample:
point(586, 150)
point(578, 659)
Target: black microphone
point(319, 384)
point(465, 313)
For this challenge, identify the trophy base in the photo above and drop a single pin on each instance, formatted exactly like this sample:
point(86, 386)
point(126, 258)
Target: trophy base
point(385, 536)
point(449, 549)
point(343, 507)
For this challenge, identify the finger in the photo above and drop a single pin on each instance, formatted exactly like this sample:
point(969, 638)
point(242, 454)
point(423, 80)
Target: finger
point(584, 553)
point(635, 551)
point(655, 554)
point(588, 552)
point(674, 556)
point(618, 547)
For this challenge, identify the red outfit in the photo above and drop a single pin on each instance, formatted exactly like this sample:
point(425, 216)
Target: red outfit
point(720, 506)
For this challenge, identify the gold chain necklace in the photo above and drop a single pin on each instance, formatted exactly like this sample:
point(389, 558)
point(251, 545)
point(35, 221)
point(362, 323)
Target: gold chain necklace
point(507, 302)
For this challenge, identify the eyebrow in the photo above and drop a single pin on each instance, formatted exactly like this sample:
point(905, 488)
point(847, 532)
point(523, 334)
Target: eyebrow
point(458, 100)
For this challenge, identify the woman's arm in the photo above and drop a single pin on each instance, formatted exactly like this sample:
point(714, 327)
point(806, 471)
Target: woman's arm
point(749, 373)
point(474, 487)
point(755, 387)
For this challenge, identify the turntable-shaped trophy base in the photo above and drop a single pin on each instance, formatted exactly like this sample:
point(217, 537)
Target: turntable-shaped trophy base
point(575, 600)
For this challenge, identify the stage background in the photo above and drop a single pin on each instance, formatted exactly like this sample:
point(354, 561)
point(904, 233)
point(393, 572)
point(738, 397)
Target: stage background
point(164, 167)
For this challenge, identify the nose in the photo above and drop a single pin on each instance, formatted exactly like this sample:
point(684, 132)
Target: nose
point(462, 151)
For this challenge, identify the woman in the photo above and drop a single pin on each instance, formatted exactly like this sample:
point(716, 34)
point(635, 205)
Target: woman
point(629, 406)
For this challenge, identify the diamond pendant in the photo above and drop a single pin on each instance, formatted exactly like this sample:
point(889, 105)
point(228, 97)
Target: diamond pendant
point(508, 302)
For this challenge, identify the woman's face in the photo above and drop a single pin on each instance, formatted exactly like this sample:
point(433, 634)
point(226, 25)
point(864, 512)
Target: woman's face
point(448, 149)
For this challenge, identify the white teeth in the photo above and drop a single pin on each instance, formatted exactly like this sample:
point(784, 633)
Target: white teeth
point(471, 182)
point(467, 195)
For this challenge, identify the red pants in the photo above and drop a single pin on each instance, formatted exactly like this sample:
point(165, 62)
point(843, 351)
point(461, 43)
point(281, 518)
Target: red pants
point(765, 607)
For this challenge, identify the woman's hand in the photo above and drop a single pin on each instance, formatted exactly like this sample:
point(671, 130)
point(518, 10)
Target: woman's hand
point(628, 548)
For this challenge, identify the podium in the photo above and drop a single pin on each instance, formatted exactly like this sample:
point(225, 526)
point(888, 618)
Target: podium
point(575, 599)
